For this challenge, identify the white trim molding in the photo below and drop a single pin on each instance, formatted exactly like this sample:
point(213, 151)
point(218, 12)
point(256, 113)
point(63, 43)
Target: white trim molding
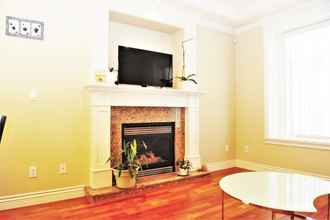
point(35, 198)
point(299, 144)
point(254, 166)
point(221, 165)
point(249, 165)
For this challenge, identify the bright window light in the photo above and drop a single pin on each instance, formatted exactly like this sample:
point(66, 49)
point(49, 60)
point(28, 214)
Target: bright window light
point(298, 107)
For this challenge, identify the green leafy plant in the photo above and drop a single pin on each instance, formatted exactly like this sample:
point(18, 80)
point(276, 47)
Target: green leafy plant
point(188, 78)
point(129, 160)
point(184, 164)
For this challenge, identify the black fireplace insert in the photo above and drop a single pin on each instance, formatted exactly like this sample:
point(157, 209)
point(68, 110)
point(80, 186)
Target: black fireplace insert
point(156, 142)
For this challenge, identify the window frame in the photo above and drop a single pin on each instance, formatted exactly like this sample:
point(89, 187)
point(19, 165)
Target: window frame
point(280, 58)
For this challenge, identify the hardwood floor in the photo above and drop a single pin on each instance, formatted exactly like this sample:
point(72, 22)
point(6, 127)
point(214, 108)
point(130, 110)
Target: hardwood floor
point(195, 200)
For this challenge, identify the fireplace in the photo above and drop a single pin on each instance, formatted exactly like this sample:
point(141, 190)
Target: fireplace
point(156, 145)
point(110, 107)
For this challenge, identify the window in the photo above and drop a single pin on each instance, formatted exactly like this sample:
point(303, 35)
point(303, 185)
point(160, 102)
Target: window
point(298, 91)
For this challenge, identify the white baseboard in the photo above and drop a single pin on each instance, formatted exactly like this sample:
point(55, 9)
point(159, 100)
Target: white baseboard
point(28, 199)
point(265, 167)
point(249, 165)
point(215, 166)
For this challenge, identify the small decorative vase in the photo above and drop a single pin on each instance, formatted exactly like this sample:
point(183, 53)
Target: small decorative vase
point(100, 77)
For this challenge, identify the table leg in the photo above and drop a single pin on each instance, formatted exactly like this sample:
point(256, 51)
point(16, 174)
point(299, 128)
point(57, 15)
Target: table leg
point(273, 215)
point(328, 206)
point(223, 205)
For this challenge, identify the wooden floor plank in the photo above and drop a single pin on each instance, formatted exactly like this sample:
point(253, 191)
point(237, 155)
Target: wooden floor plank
point(190, 200)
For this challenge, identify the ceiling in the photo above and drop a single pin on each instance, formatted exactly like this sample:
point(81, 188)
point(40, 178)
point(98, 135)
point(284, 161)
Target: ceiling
point(241, 12)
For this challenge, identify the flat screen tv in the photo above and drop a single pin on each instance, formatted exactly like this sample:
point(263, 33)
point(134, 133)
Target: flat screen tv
point(143, 67)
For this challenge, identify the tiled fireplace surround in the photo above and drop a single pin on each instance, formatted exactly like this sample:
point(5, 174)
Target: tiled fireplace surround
point(111, 106)
point(124, 114)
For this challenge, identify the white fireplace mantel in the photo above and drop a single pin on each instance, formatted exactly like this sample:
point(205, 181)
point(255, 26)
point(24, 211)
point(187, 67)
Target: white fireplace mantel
point(103, 97)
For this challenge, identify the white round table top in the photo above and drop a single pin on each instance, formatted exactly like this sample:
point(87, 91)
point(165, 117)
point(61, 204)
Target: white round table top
point(274, 190)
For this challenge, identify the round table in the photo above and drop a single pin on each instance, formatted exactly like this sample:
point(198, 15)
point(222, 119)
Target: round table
point(286, 193)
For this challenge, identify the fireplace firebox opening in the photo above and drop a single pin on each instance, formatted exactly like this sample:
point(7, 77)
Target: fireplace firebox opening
point(156, 145)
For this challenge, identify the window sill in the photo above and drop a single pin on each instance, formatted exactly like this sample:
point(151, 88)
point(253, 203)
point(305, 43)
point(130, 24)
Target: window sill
point(298, 143)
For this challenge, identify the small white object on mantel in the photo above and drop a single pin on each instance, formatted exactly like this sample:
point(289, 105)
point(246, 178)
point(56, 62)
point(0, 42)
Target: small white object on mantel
point(103, 97)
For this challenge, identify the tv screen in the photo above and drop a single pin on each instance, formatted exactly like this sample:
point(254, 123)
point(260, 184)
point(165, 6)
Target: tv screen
point(145, 68)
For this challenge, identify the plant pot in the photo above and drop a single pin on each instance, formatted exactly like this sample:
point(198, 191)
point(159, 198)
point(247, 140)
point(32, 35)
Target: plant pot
point(186, 85)
point(124, 181)
point(182, 172)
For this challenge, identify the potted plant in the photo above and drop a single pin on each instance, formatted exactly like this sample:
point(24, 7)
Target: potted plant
point(183, 167)
point(126, 169)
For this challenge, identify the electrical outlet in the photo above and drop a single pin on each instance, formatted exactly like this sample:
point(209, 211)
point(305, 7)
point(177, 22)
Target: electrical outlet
point(32, 171)
point(226, 148)
point(246, 148)
point(12, 26)
point(25, 28)
point(62, 168)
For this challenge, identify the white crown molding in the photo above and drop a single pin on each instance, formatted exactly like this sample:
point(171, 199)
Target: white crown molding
point(247, 27)
point(34, 198)
point(177, 14)
point(218, 27)
point(205, 19)
point(290, 11)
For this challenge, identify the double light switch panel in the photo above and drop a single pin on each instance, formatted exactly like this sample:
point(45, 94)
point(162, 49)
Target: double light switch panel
point(24, 28)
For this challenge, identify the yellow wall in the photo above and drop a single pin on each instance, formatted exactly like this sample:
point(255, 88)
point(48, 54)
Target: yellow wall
point(250, 114)
point(52, 129)
point(216, 75)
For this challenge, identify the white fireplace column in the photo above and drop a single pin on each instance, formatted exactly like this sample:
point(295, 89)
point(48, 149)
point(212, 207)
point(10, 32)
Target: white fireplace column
point(100, 147)
point(192, 132)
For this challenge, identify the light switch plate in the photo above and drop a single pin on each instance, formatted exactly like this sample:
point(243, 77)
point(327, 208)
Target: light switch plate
point(36, 30)
point(24, 28)
point(12, 26)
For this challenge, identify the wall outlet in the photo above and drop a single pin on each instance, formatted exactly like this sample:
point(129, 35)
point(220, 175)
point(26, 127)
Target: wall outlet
point(62, 168)
point(246, 148)
point(227, 148)
point(32, 172)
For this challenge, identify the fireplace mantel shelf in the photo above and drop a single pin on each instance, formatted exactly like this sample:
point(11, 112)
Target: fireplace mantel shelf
point(142, 90)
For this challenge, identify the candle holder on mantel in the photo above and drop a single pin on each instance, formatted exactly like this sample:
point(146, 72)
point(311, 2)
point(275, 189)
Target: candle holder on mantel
point(100, 77)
